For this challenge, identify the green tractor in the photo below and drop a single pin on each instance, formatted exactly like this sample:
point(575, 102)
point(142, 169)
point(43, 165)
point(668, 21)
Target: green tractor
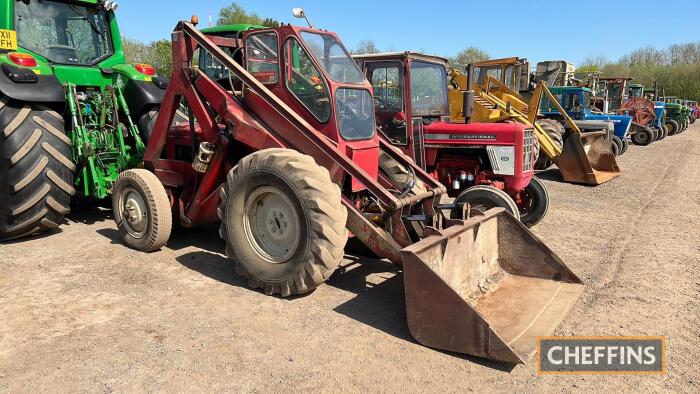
point(73, 113)
point(678, 112)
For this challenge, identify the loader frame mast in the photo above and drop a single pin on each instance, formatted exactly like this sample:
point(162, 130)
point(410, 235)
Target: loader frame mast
point(283, 128)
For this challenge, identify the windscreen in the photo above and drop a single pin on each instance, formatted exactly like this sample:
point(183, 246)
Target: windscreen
point(64, 33)
point(428, 89)
point(331, 55)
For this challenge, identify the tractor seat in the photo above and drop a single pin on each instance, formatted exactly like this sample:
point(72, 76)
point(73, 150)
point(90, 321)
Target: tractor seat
point(62, 54)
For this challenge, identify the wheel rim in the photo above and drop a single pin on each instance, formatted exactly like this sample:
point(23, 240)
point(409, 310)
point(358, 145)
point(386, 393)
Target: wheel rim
point(642, 137)
point(134, 212)
point(526, 203)
point(272, 225)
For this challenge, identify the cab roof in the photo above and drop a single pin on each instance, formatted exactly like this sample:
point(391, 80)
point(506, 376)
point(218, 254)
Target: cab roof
point(405, 55)
point(231, 28)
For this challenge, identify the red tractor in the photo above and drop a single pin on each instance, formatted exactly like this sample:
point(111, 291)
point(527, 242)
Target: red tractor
point(484, 164)
point(282, 150)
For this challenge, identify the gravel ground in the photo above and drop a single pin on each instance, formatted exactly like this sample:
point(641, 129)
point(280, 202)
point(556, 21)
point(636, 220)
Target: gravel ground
point(81, 312)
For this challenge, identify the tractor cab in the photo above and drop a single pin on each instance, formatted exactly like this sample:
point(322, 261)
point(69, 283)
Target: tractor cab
point(312, 72)
point(413, 111)
point(635, 90)
point(617, 91)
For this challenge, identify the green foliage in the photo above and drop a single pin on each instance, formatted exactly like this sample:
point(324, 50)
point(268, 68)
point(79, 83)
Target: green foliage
point(234, 14)
point(675, 69)
point(365, 47)
point(468, 55)
point(156, 53)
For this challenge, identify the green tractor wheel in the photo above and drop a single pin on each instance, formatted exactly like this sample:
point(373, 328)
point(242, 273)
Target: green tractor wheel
point(672, 126)
point(36, 170)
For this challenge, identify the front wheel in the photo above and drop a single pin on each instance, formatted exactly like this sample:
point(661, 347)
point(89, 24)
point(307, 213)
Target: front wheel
point(672, 127)
point(663, 132)
point(141, 209)
point(643, 137)
point(283, 221)
point(617, 146)
point(625, 145)
point(533, 203)
point(482, 198)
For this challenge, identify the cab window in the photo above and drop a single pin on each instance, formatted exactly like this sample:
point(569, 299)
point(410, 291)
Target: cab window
point(386, 79)
point(261, 57)
point(305, 81)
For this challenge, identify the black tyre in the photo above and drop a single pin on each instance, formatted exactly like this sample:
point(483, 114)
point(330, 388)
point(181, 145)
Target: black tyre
point(616, 145)
point(655, 134)
point(400, 176)
point(283, 221)
point(141, 209)
point(643, 137)
point(482, 198)
point(691, 119)
point(555, 131)
point(36, 170)
point(534, 202)
point(625, 146)
point(672, 127)
point(663, 132)
point(147, 121)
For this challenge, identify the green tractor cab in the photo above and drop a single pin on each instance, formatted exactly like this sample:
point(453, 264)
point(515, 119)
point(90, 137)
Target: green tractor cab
point(72, 110)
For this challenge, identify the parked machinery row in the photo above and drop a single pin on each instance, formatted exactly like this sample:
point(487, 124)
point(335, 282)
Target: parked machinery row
point(292, 146)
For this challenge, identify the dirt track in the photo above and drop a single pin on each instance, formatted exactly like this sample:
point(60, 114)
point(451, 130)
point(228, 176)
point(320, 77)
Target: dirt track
point(81, 312)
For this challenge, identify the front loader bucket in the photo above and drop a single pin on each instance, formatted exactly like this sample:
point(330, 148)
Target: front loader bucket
point(587, 158)
point(488, 288)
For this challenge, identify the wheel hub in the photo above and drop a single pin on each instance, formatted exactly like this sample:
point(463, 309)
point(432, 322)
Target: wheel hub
point(135, 213)
point(272, 225)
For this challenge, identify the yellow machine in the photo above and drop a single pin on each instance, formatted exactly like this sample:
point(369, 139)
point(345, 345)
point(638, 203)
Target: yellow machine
point(581, 157)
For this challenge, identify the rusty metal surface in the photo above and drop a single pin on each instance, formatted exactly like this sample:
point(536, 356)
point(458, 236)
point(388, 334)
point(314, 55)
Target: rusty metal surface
point(487, 288)
point(587, 158)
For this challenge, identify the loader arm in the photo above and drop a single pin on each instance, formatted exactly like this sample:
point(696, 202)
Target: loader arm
point(485, 286)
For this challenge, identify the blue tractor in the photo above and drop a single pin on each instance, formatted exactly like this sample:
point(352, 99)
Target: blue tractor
point(576, 102)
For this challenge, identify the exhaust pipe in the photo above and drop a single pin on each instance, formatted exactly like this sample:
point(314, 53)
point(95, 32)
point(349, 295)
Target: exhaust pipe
point(468, 99)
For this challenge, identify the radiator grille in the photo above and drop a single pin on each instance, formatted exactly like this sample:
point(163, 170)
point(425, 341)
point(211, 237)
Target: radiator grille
point(528, 147)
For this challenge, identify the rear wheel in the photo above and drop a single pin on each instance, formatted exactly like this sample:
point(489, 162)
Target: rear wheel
point(283, 221)
point(36, 170)
point(663, 132)
point(643, 137)
point(672, 127)
point(147, 122)
point(482, 198)
point(555, 131)
point(534, 202)
point(141, 209)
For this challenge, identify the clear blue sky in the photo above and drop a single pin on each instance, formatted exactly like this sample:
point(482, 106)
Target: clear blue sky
point(568, 30)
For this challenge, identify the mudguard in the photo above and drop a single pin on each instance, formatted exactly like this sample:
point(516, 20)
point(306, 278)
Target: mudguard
point(46, 89)
point(143, 94)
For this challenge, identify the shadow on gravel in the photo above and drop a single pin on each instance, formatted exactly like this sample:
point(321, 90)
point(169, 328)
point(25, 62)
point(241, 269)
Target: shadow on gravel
point(380, 303)
point(214, 266)
point(551, 174)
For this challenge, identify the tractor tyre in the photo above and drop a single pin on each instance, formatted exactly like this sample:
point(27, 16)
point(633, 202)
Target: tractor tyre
point(283, 221)
point(655, 134)
point(141, 209)
point(555, 131)
point(481, 198)
point(534, 202)
point(691, 119)
point(672, 127)
point(400, 177)
point(643, 137)
point(36, 169)
point(663, 131)
point(147, 121)
point(616, 145)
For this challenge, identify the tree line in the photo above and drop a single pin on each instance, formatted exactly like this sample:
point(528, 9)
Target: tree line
point(676, 69)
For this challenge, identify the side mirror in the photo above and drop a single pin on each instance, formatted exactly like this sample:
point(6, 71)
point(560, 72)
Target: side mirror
point(299, 13)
